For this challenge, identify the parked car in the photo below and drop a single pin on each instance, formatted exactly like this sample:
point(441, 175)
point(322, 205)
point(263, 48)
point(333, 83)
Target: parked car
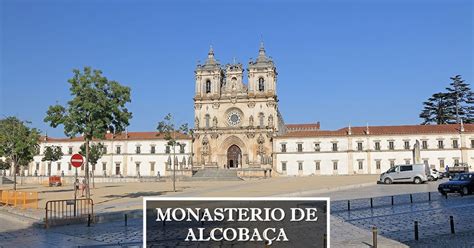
point(457, 169)
point(434, 175)
point(462, 183)
point(416, 173)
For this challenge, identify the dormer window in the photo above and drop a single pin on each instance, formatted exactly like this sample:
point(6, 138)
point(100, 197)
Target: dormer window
point(261, 84)
point(208, 86)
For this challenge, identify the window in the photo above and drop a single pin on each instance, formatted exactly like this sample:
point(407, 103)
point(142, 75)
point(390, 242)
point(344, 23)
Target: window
point(117, 169)
point(361, 165)
point(407, 145)
point(456, 161)
point(138, 150)
point(208, 120)
point(59, 166)
point(37, 166)
point(300, 166)
point(455, 144)
point(377, 146)
point(317, 147)
point(300, 147)
point(392, 163)
point(283, 147)
point(406, 168)
point(407, 161)
point(359, 146)
point(334, 147)
point(105, 149)
point(377, 164)
point(208, 86)
point(104, 166)
point(167, 149)
point(69, 151)
point(441, 163)
point(318, 165)
point(261, 118)
point(440, 144)
point(152, 166)
point(424, 144)
point(118, 150)
point(391, 145)
point(472, 143)
point(261, 84)
point(283, 166)
point(152, 149)
point(334, 165)
point(181, 148)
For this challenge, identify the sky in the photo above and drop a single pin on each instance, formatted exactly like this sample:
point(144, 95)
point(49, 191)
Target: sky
point(338, 62)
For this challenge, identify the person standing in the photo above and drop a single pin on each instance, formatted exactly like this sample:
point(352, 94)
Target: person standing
point(83, 187)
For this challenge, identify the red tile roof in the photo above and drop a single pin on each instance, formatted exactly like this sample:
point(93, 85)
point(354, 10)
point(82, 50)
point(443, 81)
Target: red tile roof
point(121, 136)
point(385, 130)
point(303, 127)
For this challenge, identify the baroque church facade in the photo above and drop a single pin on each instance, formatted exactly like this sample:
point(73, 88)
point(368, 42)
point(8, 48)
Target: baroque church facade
point(235, 123)
point(238, 126)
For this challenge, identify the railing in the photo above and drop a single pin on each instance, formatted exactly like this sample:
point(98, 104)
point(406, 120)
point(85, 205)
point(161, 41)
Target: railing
point(21, 199)
point(69, 211)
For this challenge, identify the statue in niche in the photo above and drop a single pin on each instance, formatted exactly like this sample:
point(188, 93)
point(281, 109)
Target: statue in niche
point(251, 121)
point(214, 122)
point(270, 121)
point(196, 122)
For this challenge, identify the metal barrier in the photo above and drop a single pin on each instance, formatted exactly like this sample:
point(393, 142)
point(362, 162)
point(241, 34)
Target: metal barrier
point(69, 211)
point(21, 199)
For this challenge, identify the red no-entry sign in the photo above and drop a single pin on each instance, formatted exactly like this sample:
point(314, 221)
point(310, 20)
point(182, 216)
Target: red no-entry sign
point(77, 160)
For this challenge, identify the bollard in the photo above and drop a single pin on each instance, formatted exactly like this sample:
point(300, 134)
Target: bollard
point(89, 220)
point(371, 203)
point(325, 241)
point(392, 200)
point(374, 237)
point(126, 220)
point(451, 222)
point(429, 196)
point(416, 230)
point(411, 198)
point(348, 205)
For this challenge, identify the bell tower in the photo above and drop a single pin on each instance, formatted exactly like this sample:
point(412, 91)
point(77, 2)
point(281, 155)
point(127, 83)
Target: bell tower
point(262, 75)
point(209, 77)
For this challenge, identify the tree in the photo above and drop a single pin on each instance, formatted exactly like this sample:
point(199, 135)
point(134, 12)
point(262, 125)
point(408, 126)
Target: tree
point(436, 110)
point(5, 165)
point(52, 154)
point(95, 153)
point(461, 100)
point(97, 106)
point(166, 128)
point(18, 143)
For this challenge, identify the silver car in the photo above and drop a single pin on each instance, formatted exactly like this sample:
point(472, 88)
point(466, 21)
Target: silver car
point(415, 173)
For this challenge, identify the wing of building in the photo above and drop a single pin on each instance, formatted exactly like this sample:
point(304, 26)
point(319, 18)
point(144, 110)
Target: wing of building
point(238, 126)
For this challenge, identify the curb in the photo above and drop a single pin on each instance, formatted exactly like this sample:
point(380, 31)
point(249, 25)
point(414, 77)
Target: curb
point(325, 190)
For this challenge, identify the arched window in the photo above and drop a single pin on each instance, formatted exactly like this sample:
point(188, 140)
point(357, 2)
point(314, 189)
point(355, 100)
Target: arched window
point(261, 84)
point(261, 118)
point(208, 120)
point(208, 86)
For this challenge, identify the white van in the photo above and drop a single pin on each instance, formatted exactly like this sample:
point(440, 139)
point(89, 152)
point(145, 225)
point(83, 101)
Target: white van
point(416, 173)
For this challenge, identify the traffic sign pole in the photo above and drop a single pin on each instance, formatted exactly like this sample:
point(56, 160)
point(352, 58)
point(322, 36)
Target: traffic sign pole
point(76, 160)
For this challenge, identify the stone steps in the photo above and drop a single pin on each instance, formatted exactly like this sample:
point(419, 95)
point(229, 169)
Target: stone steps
point(215, 175)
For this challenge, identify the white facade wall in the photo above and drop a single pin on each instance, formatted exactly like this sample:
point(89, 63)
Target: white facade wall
point(128, 161)
point(348, 156)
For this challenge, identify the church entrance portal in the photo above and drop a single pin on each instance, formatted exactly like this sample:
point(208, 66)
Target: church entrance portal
point(234, 157)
